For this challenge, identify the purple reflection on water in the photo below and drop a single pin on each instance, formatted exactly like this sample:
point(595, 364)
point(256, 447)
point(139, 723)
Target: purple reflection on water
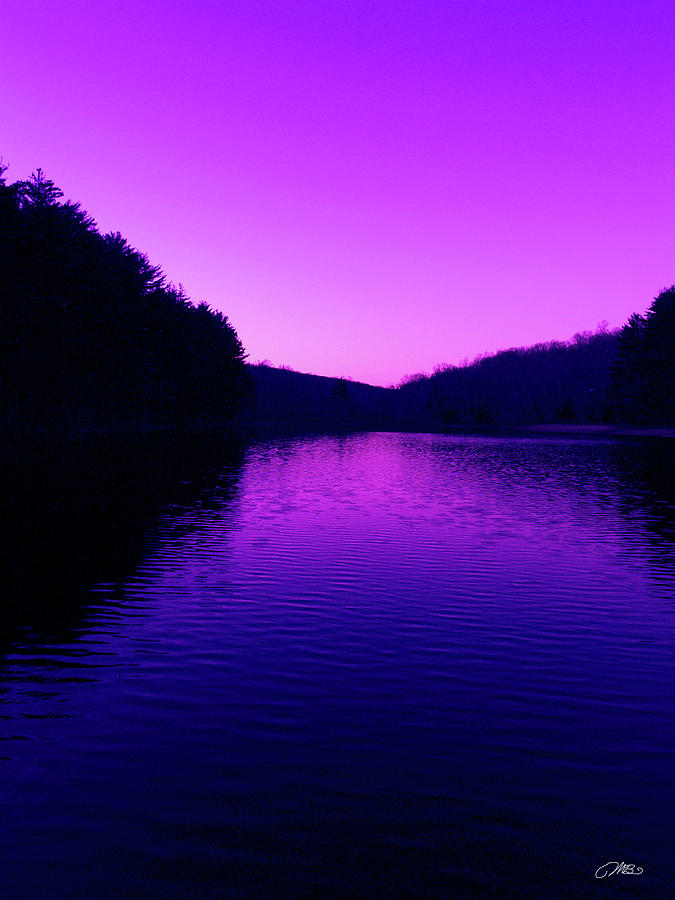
point(398, 660)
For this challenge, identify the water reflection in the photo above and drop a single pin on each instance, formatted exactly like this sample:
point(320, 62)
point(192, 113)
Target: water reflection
point(646, 493)
point(373, 664)
point(77, 511)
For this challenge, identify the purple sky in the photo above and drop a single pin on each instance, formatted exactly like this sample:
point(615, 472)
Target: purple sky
point(365, 188)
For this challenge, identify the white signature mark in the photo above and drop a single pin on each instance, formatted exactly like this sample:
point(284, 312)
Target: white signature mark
point(618, 868)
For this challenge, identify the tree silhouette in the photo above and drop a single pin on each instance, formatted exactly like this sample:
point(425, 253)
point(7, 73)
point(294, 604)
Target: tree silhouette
point(643, 377)
point(38, 190)
point(627, 390)
point(659, 354)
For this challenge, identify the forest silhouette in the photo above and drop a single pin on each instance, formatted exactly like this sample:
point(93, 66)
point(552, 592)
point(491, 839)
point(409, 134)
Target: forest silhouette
point(94, 336)
point(623, 377)
point(619, 377)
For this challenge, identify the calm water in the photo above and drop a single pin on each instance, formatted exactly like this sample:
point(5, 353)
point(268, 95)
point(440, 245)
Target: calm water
point(373, 665)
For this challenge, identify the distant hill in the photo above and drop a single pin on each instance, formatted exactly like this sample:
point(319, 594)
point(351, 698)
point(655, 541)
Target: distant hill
point(287, 399)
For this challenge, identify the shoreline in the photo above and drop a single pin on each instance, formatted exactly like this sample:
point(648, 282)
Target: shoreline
point(243, 430)
point(598, 430)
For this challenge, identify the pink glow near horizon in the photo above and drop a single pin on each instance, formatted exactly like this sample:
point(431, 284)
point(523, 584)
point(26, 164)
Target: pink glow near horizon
point(365, 189)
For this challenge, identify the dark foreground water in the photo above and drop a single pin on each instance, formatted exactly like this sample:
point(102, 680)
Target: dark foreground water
point(375, 665)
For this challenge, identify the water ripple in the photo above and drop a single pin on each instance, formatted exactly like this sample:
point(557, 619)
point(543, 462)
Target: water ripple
point(403, 664)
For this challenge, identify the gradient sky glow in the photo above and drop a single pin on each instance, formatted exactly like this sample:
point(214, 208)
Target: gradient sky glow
point(364, 188)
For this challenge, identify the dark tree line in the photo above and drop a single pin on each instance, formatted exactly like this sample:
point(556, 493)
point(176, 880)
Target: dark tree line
point(642, 389)
point(626, 376)
point(92, 334)
point(553, 382)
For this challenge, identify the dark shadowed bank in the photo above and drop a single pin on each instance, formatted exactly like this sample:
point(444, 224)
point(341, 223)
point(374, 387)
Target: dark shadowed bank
point(118, 397)
point(78, 509)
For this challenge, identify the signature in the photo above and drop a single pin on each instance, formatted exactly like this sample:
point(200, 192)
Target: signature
point(618, 868)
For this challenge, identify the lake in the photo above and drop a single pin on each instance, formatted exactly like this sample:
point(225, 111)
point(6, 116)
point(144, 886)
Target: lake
point(360, 665)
